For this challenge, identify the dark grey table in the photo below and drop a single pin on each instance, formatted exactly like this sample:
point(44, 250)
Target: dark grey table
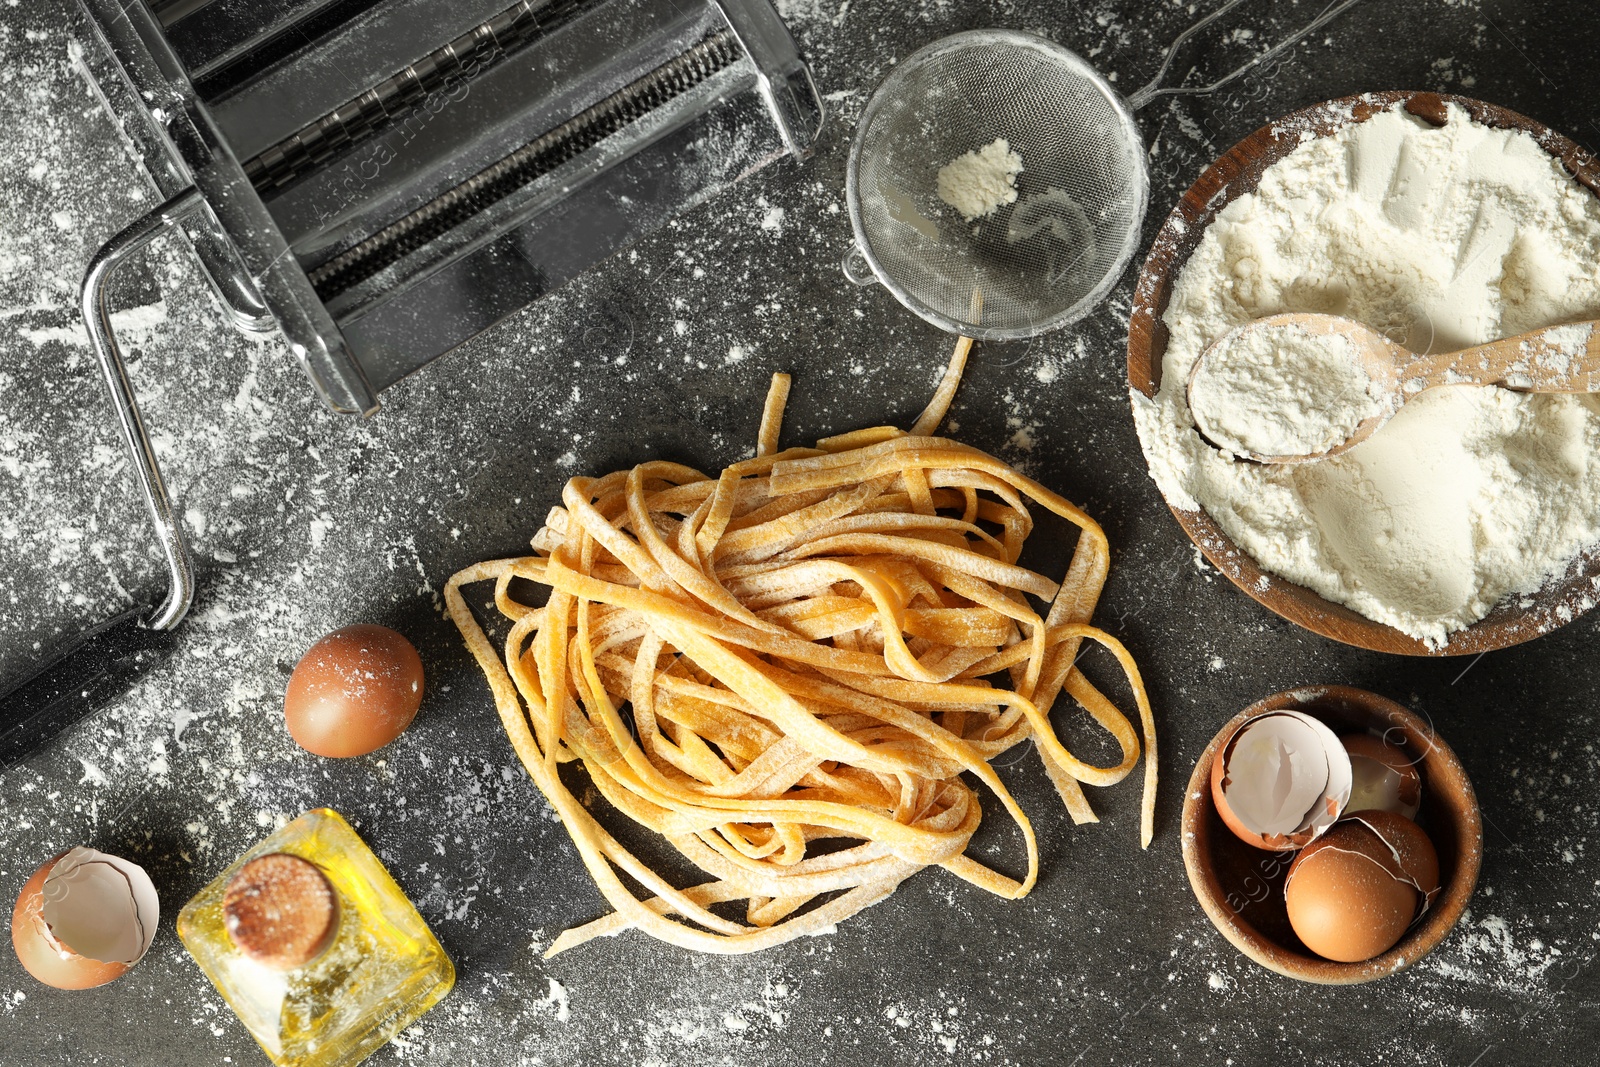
point(303, 521)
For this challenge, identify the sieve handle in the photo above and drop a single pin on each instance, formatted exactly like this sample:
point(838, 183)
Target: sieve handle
point(1153, 88)
point(856, 267)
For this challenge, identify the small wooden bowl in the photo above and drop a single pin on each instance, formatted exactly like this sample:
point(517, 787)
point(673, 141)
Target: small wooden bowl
point(1241, 887)
point(1236, 173)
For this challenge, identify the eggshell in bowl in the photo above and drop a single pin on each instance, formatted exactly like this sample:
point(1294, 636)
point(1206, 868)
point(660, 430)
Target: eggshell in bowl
point(1385, 777)
point(1281, 780)
point(1342, 902)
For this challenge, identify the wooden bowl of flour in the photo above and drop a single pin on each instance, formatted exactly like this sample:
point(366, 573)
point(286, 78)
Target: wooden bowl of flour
point(1238, 171)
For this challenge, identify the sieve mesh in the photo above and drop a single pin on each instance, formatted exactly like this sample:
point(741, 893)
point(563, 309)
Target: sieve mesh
point(1043, 261)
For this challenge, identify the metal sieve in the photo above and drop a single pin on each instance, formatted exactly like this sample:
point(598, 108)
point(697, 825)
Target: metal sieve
point(1049, 257)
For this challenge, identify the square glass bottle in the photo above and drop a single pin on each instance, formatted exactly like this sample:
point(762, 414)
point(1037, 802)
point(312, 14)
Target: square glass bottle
point(314, 946)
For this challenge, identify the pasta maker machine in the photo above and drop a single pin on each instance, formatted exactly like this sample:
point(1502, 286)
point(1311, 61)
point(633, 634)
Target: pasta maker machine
point(380, 180)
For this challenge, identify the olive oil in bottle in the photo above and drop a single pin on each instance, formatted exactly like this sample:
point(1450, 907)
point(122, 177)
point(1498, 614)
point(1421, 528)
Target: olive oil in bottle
point(314, 946)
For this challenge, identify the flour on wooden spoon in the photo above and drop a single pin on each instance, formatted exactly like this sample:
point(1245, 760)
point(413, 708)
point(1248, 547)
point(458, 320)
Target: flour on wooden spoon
point(1282, 391)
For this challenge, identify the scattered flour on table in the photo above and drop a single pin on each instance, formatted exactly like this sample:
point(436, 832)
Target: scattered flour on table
point(1490, 950)
point(1282, 391)
point(982, 181)
point(1442, 238)
point(558, 1000)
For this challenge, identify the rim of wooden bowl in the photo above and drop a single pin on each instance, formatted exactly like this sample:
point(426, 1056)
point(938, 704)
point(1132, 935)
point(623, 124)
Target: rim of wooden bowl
point(1236, 172)
point(1448, 792)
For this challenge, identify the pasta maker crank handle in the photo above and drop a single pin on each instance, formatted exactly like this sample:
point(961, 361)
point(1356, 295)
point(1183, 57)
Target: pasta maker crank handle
point(97, 317)
point(100, 664)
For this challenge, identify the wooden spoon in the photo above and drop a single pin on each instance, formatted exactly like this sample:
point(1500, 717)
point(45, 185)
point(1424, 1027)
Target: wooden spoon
point(1557, 359)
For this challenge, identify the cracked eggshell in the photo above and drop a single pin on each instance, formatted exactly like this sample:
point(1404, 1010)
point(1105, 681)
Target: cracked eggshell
point(1384, 776)
point(1352, 894)
point(83, 919)
point(1412, 857)
point(1281, 780)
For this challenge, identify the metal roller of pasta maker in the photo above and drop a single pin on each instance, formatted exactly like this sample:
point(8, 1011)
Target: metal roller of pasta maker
point(381, 180)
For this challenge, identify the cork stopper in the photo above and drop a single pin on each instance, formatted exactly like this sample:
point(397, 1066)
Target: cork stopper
point(280, 911)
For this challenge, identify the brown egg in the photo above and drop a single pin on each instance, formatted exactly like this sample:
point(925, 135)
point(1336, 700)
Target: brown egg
point(97, 906)
point(1354, 892)
point(353, 692)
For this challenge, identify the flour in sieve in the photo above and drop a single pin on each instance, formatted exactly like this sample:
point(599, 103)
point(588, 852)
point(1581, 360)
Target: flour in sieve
point(982, 181)
point(1442, 237)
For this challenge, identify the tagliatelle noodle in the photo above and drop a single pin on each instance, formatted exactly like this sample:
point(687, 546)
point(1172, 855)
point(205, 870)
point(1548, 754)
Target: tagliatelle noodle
point(798, 651)
point(772, 415)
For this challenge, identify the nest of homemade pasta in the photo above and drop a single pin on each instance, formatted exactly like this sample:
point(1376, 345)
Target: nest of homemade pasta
point(791, 670)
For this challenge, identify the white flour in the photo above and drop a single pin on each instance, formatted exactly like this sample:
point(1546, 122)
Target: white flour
point(1282, 391)
point(981, 181)
point(1443, 238)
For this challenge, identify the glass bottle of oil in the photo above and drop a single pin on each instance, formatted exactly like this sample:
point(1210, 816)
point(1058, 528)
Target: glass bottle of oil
point(314, 946)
